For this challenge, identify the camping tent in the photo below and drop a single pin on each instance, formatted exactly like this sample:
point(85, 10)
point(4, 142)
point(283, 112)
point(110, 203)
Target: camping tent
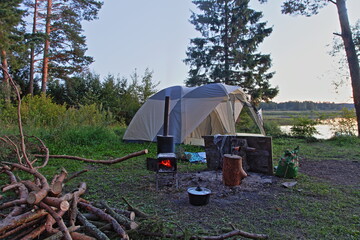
point(194, 112)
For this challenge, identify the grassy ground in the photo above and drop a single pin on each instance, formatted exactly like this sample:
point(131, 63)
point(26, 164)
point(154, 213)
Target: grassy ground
point(314, 209)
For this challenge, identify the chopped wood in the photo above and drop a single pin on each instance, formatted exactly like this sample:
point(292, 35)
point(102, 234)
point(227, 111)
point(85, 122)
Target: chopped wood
point(19, 228)
point(128, 214)
point(127, 223)
point(12, 222)
point(80, 236)
point(59, 203)
point(59, 235)
point(90, 216)
point(12, 203)
point(116, 160)
point(58, 220)
point(137, 212)
point(91, 228)
point(106, 217)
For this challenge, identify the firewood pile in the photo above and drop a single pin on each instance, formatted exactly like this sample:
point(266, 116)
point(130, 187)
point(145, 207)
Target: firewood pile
point(42, 210)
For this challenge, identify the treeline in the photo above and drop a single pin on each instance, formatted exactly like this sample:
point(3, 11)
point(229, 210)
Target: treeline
point(121, 96)
point(305, 106)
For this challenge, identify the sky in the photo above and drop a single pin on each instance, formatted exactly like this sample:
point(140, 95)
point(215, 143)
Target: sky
point(134, 35)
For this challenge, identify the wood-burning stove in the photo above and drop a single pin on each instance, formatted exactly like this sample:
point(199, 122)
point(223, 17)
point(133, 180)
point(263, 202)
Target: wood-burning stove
point(166, 161)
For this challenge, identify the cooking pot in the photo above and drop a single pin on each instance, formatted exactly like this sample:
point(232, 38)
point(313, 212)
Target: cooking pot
point(199, 196)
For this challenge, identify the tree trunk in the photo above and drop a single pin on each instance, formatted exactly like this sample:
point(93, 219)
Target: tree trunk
point(45, 69)
point(226, 44)
point(6, 84)
point(32, 52)
point(351, 56)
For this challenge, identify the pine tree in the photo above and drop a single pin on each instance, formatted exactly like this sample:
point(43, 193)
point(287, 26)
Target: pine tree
point(11, 41)
point(64, 45)
point(227, 51)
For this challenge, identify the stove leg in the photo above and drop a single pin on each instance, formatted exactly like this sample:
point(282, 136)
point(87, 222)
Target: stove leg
point(157, 181)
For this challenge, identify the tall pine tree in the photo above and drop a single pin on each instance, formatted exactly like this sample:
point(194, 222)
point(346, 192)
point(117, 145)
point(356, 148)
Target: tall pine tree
point(64, 45)
point(11, 40)
point(227, 52)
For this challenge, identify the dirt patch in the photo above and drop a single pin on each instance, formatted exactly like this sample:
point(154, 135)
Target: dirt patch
point(334, 171)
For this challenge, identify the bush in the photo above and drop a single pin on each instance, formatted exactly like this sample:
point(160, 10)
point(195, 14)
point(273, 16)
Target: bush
point(272, 129)
point(41, 111)
point(345, 125)
point(304, 127)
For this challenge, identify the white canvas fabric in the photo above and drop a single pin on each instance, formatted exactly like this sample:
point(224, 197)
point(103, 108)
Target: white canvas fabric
point(194, 112)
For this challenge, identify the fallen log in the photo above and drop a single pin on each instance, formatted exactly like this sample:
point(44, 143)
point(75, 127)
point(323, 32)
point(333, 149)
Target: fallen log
point(112, 161)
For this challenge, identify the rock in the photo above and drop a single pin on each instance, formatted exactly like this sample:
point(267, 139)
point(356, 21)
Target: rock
point(289, 184)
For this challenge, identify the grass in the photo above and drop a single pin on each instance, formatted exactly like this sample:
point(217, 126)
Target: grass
point(313, 209)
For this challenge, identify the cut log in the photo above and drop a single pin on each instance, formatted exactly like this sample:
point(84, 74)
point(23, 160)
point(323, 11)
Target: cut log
point(60, 204)
point(92, 229)
point(232, 170)
point(12, 222)
point(129, 214)
point(106, 217)
point(36, 196)
point(127, 223)
point(137, 212)
point(59, 235)
point(80, 236)
point(21, 227)
point(58, 220)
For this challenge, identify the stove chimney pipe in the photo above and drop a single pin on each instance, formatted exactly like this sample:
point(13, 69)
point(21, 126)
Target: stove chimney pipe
point(166, 116)
point(165, 142)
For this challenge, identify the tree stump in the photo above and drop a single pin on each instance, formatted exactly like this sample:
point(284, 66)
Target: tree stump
point(232, 170)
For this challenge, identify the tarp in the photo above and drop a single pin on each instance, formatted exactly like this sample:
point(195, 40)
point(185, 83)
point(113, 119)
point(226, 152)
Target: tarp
point(194, 112)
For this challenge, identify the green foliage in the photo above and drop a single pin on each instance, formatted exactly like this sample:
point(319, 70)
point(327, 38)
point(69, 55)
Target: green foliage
point(272, 129)
point(245, 123)
point(41, 111)
point(345, 124)
point(226, 52)
point(304, 127)
point(114, 94)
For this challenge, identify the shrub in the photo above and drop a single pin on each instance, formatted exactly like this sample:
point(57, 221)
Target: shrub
point(272, 129)
point(345, 124)
point(304, 127)
point(41, 111)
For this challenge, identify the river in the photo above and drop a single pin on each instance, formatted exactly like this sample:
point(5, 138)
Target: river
point(324, 130)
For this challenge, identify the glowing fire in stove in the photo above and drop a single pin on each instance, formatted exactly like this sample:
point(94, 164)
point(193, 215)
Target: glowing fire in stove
point(166, 163)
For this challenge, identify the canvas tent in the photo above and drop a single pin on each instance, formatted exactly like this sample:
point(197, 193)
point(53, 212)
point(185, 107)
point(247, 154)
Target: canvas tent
point(194, 112)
